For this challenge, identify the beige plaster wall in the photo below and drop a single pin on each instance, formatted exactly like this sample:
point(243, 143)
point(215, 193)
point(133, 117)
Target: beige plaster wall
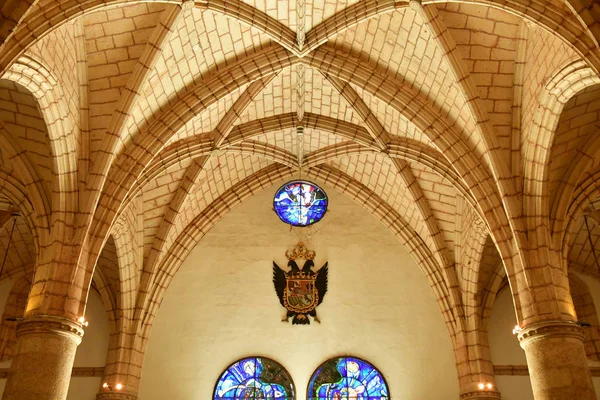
point(94, 346)
point(504, 346)
point(594, 286)
point(4, 291)
point(221, 306)
point(92, 350)
point(90, 353)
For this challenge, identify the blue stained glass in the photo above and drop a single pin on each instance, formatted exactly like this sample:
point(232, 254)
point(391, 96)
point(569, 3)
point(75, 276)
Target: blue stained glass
point(254, 378)
point(347, 378)
point(300, 203)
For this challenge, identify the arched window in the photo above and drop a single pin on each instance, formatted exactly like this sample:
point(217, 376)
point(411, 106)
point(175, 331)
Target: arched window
point(255, 378)
point(347, 378)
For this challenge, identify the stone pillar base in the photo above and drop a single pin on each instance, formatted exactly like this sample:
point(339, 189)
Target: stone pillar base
point(115, 396)
point(557, 363)
point(43, 358)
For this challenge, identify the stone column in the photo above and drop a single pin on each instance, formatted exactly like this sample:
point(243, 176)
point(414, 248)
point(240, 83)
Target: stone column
point(475, 391)
point(476, 379)
point(556, 359)
point(123, 369)
point(43, 358)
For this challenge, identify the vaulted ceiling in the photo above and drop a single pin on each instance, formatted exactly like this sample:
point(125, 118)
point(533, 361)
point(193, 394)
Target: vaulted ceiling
point(153, 119)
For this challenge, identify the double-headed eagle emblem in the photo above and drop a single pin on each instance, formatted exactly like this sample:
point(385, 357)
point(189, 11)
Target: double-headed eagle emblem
point(300, 291)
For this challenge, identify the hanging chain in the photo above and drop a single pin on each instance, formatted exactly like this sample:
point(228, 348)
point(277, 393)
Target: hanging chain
point(585, 218)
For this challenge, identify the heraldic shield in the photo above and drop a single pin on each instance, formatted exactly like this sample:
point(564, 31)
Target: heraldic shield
point(300, 291)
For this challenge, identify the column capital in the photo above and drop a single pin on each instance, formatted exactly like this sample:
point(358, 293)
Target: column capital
point(547, 329)
point(481, 395)
point(40, 324)
point(115, 396)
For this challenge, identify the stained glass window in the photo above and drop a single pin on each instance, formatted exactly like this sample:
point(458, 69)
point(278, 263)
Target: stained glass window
point(300, 203)
point(347, 378)
point(255, 378)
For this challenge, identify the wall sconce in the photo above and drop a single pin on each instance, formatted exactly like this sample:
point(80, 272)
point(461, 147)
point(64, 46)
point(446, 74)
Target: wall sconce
point(118, 386)
point(83, 322)
point(483, 386)
point(516, 329)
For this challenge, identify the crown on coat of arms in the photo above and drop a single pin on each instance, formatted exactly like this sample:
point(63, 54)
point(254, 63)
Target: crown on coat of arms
point(300, 252)
point(302, 275)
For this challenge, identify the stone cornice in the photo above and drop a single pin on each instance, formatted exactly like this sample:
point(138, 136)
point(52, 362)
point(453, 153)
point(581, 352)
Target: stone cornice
point(43, 324)
point(557, 329)
point(115, 396)
point(518, 370)
point(522, 370)
point(78, 372)
point(88, 372)
point(481, 394)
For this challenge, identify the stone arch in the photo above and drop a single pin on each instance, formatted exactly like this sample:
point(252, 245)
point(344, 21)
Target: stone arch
point(102, 286)
point(575, 174)
point(36, 78)
point(472, 274)
point(266, 178)
point(35, 192)
point(14, 308)
point(444, 136)
point(450, 143)
point(115, 271)
point(125, 171)
point(492, 277)
point(563, 85)
point(584, 193)
point(549, 16)
point(408, 149)
point(586, 312)
point(16, 192)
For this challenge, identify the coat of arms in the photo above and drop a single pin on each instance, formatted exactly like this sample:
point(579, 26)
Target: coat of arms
point(300, 291)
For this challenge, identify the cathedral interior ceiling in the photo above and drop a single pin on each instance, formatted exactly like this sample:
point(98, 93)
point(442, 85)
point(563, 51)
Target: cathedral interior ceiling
point(142, 124)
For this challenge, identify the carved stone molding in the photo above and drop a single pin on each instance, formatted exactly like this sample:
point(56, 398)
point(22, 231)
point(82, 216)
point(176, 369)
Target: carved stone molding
point(115, 396)
point(522, 370)
point(79, 372)
point(518, 370)
point(44, 324)
point(87, 372)
point(187, 4)
point(481, 394)
point(556, 329)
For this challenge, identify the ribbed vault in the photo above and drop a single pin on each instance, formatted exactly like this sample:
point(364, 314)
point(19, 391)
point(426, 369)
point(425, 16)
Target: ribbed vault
point(128, 129)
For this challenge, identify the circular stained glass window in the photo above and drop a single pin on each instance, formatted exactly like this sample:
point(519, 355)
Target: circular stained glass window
point(300, 203)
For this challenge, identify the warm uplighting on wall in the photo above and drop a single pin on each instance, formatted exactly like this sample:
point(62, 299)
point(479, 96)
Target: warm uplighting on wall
point(516, 329)
point(83, 322)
